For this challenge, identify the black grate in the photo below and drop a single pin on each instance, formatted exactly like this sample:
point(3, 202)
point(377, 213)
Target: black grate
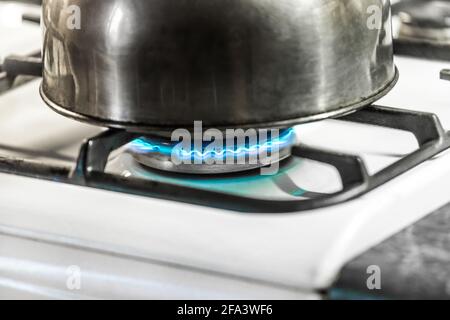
point(17, 70)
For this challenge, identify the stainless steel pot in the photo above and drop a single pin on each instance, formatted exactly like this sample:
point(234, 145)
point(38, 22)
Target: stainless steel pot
point(149, 65)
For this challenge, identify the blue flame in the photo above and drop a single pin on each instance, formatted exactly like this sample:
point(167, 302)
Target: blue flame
point(146, 145)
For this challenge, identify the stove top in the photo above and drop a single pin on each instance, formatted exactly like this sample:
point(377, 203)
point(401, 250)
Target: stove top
point(98, 206)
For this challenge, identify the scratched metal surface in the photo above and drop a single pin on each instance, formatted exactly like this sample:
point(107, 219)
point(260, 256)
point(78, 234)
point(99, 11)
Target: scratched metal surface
point(414, 264)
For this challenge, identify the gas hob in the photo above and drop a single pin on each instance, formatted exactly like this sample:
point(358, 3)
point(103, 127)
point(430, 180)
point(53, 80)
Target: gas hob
point(131, 245)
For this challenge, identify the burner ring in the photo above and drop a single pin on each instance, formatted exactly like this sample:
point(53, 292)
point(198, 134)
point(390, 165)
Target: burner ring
point(158, 154)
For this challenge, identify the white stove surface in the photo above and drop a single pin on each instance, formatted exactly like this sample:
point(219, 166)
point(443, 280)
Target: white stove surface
point(135, 247)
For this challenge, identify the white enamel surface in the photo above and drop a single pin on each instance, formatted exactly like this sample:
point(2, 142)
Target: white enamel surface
point(136, 247)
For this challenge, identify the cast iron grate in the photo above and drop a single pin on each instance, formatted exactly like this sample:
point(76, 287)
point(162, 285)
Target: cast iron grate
point(94, 154)
point(18, 70)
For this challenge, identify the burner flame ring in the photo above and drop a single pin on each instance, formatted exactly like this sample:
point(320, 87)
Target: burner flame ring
point(171, 156)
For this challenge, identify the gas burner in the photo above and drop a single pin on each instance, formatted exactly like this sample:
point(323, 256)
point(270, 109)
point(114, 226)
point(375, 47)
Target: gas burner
point(212, 158)
point(424, 29)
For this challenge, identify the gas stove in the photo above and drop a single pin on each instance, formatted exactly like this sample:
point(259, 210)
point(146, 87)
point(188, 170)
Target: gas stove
point(102, 202)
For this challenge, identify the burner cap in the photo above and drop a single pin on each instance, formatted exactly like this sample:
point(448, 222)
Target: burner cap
point(209, 158)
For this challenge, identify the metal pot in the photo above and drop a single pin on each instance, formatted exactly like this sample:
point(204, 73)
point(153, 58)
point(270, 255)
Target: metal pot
point(147, 65)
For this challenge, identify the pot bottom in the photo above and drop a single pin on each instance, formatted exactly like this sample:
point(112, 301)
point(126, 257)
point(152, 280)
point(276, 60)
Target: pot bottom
point(167, 130)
